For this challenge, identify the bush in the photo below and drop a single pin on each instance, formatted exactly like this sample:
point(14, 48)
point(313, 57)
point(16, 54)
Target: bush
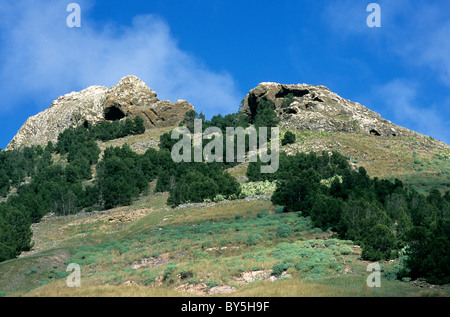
point(379, 244)
point(289, 138)
point(149, 280)
point(279, 268)
point(288, 99)
point(330, 242)
point(286, 251)
point(253, 239)
point(301, 225)
point(193, 281)
point(257, 188)
point(30, 272)
point(211, 283)
point(284, 231)
point(262, 214)
point(186, 274)
point(279, 209)
point(265, 115)
point(345, 250)
point(304, 266)
point(168, 271)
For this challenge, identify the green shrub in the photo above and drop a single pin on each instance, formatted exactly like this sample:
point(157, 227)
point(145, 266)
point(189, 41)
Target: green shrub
point(279, 209)
point(284, 231)
point(61, 274)
point(262, 214)
point(149, 280)
point(30, 272)
point(199, 254)
point(257, 188)
point(168, 271)
point(211, 283)
point(286, 251)
point(253, 239)
point(330, 242)
point(289, 138)
point(186, 274)
point(391, 274)
point(316, 230)
point(287, 100)
point(300, 226)
point(345, 250)
point(319, 270)
point(304, 266)
point(193, 281)
point(279, 268)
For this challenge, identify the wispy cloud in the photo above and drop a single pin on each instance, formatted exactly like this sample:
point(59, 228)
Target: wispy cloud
point(414, 35)
point(416, 32)
point(42, 58)
point(400, 99)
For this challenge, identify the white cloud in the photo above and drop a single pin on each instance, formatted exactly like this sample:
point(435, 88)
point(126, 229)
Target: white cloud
point(416, 32)
point(42, 58)
point(399, 98)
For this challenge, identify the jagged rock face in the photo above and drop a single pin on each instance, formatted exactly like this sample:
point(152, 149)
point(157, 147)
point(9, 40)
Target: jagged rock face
point(67, 111)
point(316, 108)
point(131, 97)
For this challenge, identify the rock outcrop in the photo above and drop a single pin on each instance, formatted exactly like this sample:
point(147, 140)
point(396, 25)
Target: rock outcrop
point(316, 108)
point(131, 97)
point(299, 106)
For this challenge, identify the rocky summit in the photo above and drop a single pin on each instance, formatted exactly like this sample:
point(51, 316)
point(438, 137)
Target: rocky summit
point(131, 97)
point(316, 108)
point(298, 106)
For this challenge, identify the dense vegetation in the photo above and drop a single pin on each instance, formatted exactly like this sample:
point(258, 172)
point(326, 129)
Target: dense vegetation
point(64, 187)
point(382, 216)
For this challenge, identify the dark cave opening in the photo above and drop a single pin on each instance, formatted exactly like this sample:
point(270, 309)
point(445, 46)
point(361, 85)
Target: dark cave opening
point(295, 92)
point(113, 113)
point(374, 132)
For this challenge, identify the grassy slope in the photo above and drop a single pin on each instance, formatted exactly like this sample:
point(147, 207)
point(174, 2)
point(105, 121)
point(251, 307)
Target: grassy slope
point(420, 162)
point(198, 247)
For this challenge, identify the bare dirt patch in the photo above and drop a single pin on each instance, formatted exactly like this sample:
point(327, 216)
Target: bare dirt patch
point(162, 259)
point(202, 289)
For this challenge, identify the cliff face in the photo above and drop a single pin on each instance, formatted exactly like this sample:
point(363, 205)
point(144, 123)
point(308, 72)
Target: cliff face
point(316, 108)
point(131, 97)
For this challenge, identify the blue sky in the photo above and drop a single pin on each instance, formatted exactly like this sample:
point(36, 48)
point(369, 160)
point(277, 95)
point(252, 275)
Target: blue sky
point(212, 53)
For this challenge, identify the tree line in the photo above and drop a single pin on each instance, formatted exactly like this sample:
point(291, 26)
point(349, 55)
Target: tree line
point(42, 185)
point(380, 215)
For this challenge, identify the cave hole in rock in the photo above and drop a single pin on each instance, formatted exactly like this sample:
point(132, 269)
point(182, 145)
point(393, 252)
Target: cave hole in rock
point(317, 99)
point(374, 132)
point(86, 124)
point(113, 113)
point(291, 111)
point(295, 92)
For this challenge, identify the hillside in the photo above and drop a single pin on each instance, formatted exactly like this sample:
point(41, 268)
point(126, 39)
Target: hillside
point(234, 247)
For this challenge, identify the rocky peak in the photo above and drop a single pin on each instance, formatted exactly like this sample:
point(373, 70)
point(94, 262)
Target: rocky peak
point(129, 93)
point(316, 108)
point(131, 97)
